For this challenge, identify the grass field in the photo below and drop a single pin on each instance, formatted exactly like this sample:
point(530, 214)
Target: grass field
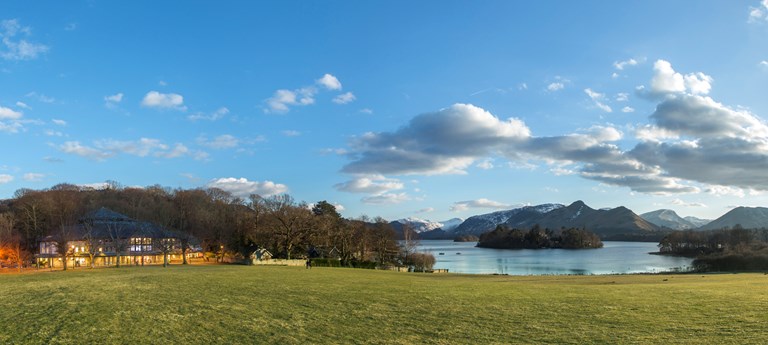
point(289, 305)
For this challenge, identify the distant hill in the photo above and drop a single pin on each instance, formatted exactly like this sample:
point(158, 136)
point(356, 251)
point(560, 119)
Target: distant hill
point(697, 222)
point(747, 217)
point(668, 219)
point(604, 222)
point(476, 225)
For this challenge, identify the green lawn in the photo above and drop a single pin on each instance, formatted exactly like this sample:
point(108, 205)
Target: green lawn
point(290, 305)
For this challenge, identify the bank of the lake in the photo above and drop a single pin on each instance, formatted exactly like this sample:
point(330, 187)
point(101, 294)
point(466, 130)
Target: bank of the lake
point(614, 258)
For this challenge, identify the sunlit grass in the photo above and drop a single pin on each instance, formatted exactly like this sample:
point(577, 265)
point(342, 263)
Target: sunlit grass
point(279, 305)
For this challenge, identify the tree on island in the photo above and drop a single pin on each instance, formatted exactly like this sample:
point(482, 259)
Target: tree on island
point(538, 238)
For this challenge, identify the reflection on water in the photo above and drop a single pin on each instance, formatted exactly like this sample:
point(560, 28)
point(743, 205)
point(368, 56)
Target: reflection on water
point(615, 257)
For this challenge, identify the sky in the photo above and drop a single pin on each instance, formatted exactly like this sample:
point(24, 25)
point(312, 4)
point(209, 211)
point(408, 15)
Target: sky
point(430, 109)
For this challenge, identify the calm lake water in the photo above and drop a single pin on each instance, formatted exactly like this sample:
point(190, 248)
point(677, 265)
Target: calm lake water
point(614, 257)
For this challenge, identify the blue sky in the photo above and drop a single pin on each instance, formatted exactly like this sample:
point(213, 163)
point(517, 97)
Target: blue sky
point(437, 109)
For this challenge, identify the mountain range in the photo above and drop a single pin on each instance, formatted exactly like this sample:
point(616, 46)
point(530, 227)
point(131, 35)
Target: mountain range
point(607, 223)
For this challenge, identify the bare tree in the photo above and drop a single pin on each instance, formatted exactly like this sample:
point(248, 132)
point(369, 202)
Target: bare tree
point(10, 241)
point(290, 221)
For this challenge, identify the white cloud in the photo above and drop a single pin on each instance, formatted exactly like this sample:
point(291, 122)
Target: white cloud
point(242, 187)
point(627, 109)
point(344, 98)
point(763, 63)
point(216, 115)
point(375, 184)
point(59, 122)
point(330, 82)
point(555, 86)
point(698, 83)
point(21, 104)
point(522, 86)
point(620, 65)
point(154, 99)
point(486, 164)
point(179, 150)
point(622, 97)
point(725, 191)
point(9, 114)
point(386, 199)
point(74, 147)
point(291, 133)
point(144, 147)
point(478, 203)
point(282, 99)
point(224, 141)
point(760, 13)
point(680, 202)
point(598, 99)
point(442, 142)
point(667, 82)
point(33, 177)
point(5, 178)
point(426, 210)
point(116, 98)
point(366, 111)
point(16, 48)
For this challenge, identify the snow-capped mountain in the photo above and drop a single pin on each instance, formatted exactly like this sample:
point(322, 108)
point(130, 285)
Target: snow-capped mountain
point(667, 219)
point(479, 224)
point(423, 225)
point(697, 222)
point(451, 224)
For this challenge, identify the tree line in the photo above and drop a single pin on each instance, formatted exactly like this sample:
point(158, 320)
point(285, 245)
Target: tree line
point(538, 238)
point(733, 249)
point(223, 225)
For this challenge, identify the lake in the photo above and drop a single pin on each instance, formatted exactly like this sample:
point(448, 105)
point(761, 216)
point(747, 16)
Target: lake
point(614, 257)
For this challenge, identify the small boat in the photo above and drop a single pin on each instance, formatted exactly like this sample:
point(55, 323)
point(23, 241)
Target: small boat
point(440, 253)
point(458, 253)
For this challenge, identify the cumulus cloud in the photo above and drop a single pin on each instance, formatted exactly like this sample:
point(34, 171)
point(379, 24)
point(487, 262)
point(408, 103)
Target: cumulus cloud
point(442, 142)
point(283, 99)
point(478, 203)
point(216, 115)
point(386, 199)
point(329, 81)
point(666, 81)
point(9, 114)
point(5, 178)
point(375, 184)
point(15, 44)
point(242, 187)
point(627, 109)
point(598, 98)
point(344, 98)
point(155, 99)
point(759, 13)
point(691, 143)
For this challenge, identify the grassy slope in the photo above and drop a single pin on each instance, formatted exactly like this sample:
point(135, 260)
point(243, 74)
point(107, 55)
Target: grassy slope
point(238, 304)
